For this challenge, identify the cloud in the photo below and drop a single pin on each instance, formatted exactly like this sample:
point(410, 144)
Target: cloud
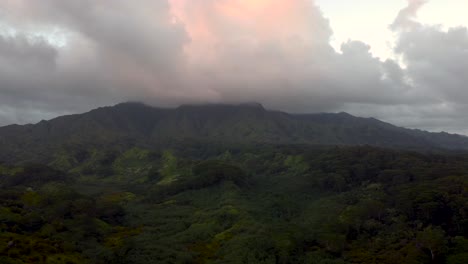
point(114, 52)
point(436, 61)
point(405, 19)
point(64, 56)
point(277, 52)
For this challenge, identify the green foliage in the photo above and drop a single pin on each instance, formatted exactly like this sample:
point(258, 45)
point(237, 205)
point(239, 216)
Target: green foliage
point(212, 172)
point(51, 222)
point(134, 165)
point(245, 204)
point(433, 240)
point(32, 176)
point(296, 164)
point(169, 168)
point(203, 175)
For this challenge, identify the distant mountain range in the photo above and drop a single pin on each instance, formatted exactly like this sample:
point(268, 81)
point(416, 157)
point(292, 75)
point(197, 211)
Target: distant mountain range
point(137, 123)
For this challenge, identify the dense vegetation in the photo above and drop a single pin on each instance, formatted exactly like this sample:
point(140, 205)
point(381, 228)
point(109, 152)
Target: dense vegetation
point(208, 203)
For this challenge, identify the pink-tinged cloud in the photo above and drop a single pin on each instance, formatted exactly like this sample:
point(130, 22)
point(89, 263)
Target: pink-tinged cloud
point(216, 25)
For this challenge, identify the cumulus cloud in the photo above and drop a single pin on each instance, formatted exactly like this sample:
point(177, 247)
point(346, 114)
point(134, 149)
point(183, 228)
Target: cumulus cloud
point(63, 56)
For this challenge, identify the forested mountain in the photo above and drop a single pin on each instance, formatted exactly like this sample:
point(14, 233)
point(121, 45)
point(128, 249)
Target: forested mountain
point(216, 184)
point(135, 123)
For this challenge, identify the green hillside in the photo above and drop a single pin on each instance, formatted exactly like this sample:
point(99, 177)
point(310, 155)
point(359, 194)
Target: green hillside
point(230, 184)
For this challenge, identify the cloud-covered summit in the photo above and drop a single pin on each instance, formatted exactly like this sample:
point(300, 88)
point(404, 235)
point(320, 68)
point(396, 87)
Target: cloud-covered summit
point(61, 56)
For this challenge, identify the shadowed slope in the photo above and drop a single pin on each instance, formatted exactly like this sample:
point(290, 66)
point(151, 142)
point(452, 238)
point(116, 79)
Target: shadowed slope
point(136, 123)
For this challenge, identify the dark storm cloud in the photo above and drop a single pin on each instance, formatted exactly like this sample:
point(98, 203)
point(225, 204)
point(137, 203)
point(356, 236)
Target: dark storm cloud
point(179, 51)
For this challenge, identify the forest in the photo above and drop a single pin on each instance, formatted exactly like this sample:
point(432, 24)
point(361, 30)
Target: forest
point(213, 203)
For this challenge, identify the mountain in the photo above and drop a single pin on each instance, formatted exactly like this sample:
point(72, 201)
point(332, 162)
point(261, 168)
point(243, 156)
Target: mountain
point(137, 123)
point(229, 184)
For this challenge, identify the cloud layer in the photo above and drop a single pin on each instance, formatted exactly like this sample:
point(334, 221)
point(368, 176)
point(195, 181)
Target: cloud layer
point(63, 56)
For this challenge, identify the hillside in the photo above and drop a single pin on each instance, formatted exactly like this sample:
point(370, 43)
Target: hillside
point(229, 184)
point(138, 124)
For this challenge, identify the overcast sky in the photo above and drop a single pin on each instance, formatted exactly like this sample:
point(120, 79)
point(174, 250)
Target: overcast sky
point(405, 62)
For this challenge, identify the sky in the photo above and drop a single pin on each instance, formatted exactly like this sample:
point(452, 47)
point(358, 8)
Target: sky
point(402, 61)
point(350, 20)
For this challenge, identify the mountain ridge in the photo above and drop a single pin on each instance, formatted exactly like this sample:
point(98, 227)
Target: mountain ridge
point(134, 122)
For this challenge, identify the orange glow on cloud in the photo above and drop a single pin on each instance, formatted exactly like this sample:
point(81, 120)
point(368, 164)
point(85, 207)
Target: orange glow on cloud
point(257, 13)
point(214, 23)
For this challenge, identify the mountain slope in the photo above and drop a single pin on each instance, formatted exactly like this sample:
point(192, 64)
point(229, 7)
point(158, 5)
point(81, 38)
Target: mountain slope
point(135, 123)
